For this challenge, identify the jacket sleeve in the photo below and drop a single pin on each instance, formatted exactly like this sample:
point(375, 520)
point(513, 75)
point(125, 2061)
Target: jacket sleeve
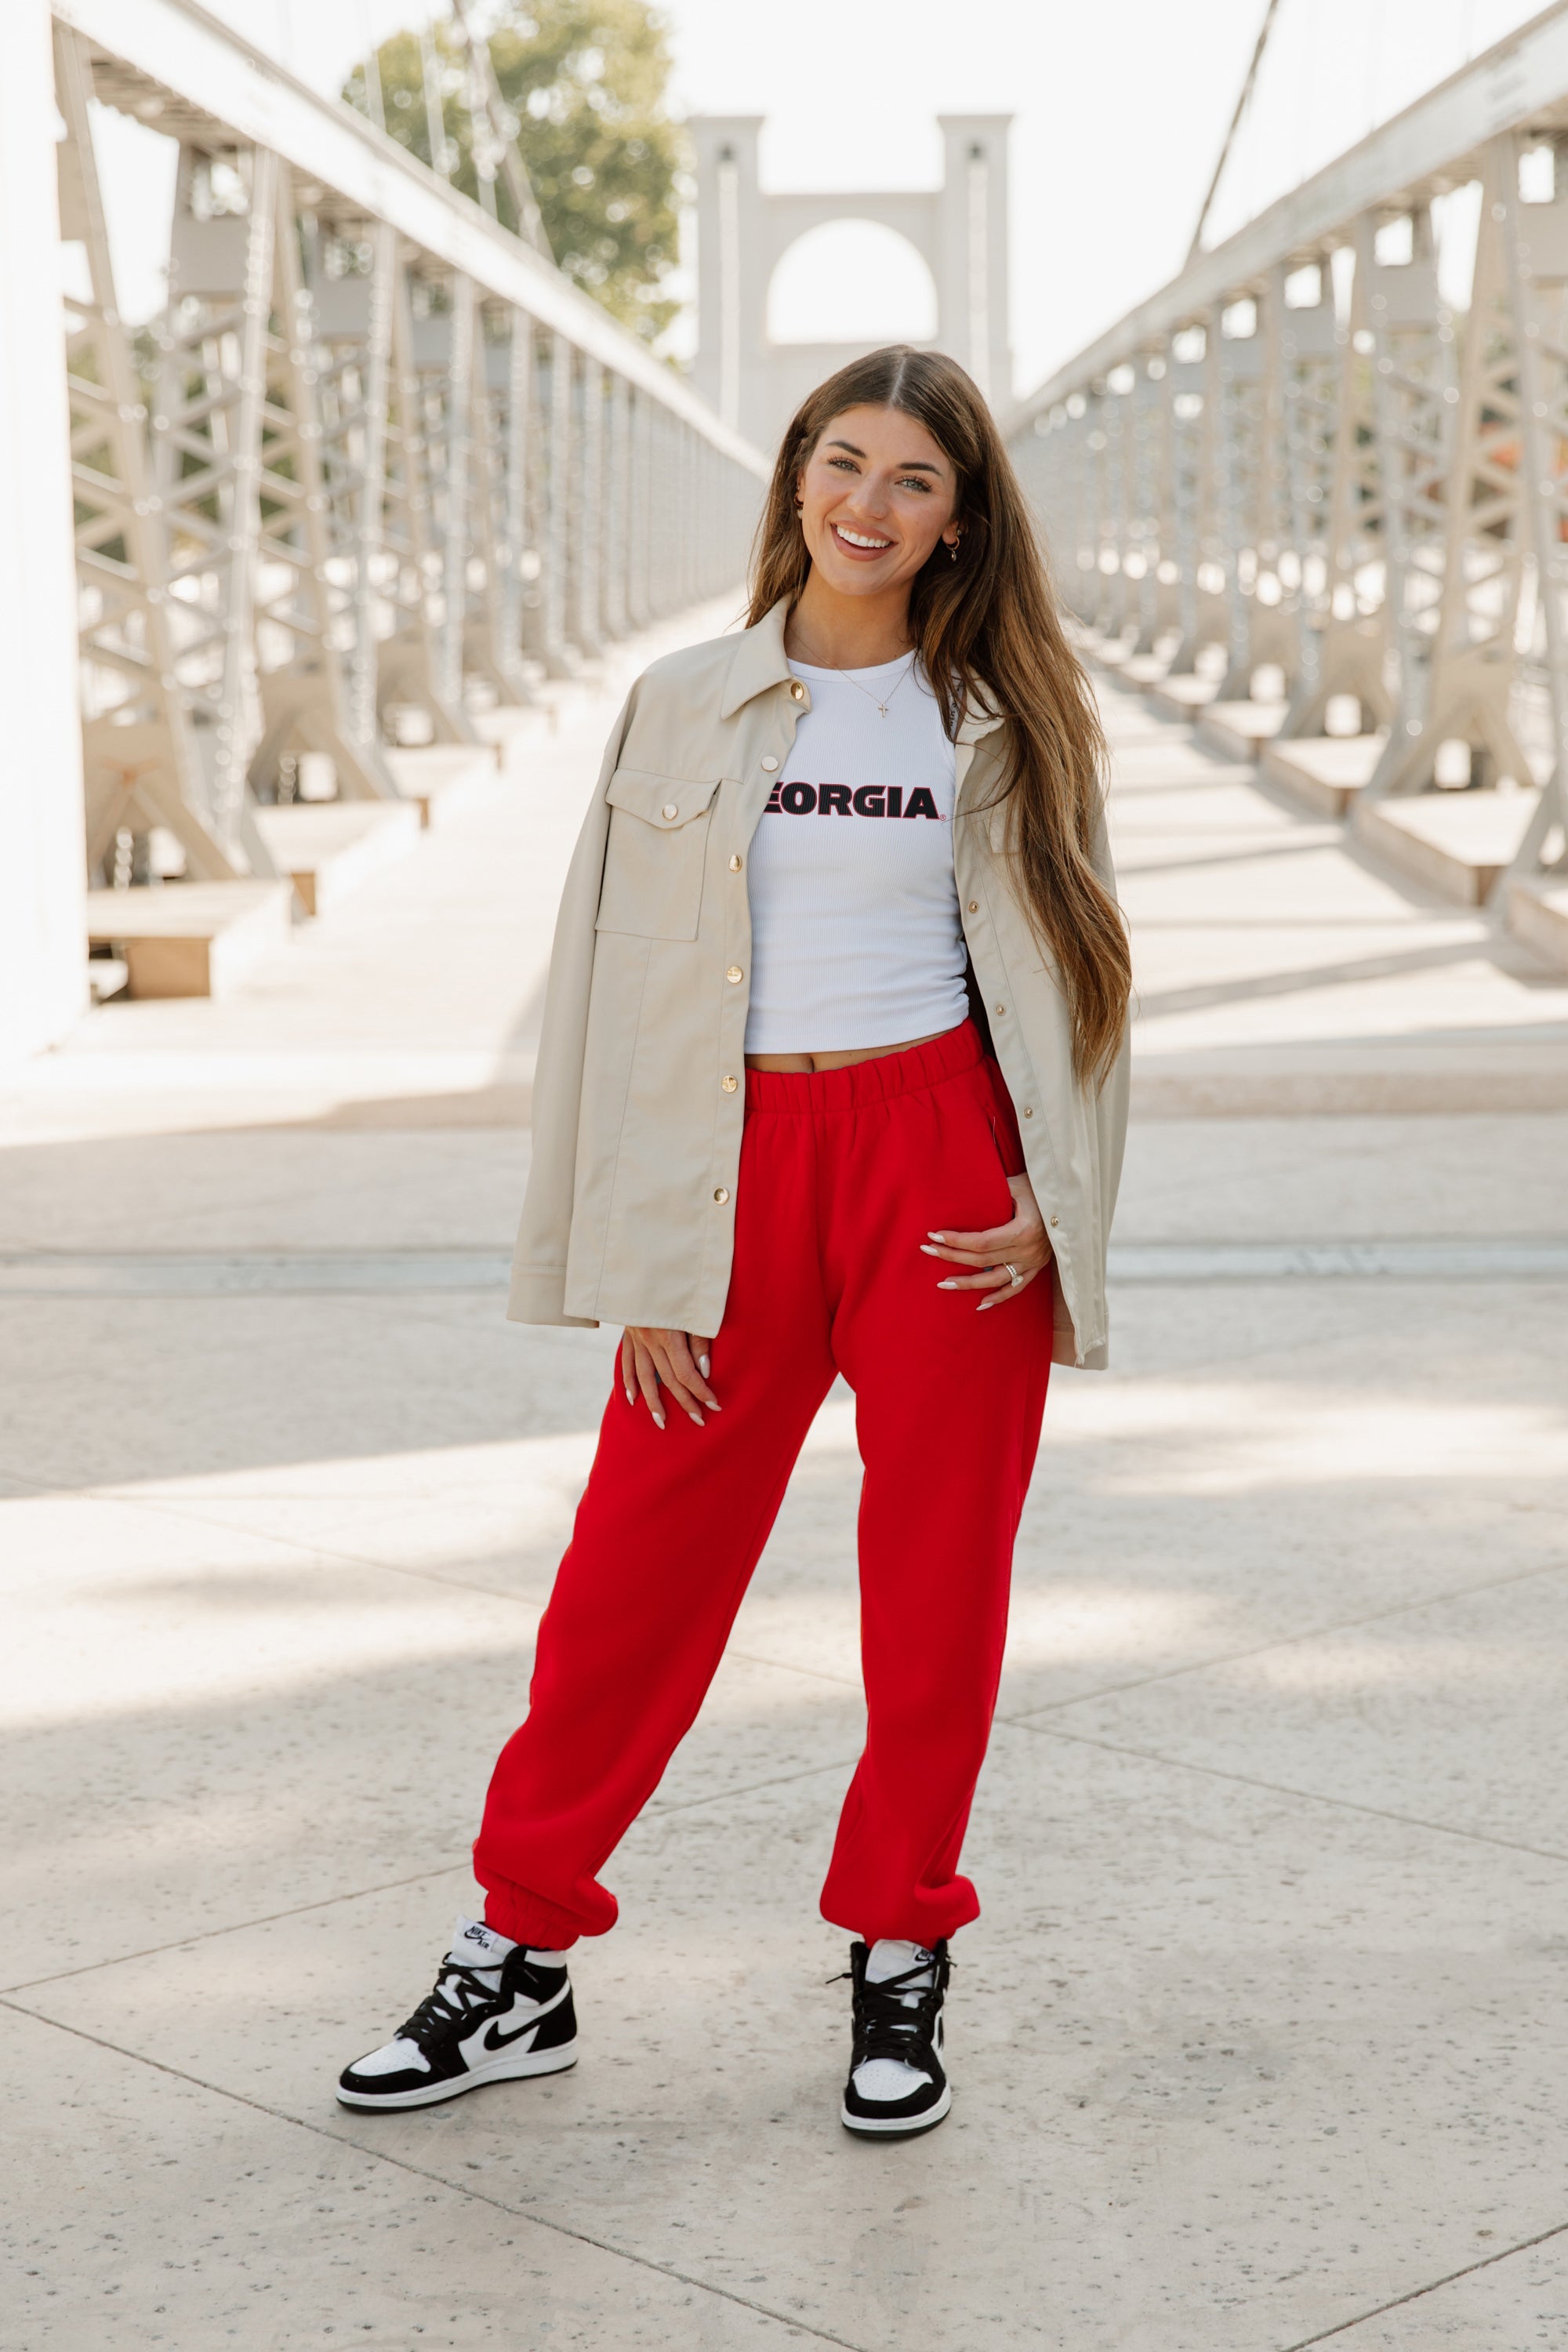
point(537, 1291)
point(1110, 1103)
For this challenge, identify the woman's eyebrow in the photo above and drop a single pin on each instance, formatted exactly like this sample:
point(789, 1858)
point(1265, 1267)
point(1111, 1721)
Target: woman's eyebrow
point(913, 464)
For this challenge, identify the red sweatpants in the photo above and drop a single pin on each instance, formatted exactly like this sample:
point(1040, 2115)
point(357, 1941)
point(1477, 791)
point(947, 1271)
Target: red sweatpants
point(843, 1175)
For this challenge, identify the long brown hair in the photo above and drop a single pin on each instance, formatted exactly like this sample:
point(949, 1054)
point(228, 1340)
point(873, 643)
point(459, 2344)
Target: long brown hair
point(988, 635)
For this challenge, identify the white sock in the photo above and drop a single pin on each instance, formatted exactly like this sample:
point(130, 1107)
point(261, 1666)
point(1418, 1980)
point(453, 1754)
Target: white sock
point(480, 1945)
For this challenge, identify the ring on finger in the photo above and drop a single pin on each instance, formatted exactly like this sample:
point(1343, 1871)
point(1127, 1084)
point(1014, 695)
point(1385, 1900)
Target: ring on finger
point(1008, 1268)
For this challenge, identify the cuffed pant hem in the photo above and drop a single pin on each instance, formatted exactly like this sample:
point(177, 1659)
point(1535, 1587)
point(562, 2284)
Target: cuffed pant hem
point(528, 1918)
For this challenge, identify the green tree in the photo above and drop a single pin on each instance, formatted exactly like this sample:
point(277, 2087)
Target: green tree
point(585, 82)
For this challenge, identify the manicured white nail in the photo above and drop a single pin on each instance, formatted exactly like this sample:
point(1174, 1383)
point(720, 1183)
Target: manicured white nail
point(947, 1285)
point(630, 1399)
point(936, 1237)
point(658, 1421)
point(928, 1251)
point(697, 1417)
point(714, 1405)
point(704, 1366)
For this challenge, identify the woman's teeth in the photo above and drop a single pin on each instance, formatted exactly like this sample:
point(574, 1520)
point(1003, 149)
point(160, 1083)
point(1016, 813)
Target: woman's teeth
point(856, 539)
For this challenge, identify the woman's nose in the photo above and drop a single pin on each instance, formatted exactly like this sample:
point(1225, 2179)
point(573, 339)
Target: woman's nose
point(870, 498)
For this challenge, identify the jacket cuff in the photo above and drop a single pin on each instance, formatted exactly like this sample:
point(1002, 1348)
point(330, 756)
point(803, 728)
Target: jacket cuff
point(537, 1295)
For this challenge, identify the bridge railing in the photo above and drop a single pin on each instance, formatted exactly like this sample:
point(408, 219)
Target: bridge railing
point(376, 450)
point(1305, 473)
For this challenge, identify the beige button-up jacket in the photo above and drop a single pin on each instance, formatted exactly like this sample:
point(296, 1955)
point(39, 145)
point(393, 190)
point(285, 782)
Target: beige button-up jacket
point(639, 1089)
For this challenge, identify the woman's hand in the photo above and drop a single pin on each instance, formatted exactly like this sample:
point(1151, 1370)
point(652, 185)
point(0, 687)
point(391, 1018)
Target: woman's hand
point(1021, 1243)
point(652, 1358)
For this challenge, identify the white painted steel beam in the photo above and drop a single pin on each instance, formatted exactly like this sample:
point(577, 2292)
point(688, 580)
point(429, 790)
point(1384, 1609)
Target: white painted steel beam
point(43, 949)
point(216, 74)
point(1360, 496)
point(1436, 143)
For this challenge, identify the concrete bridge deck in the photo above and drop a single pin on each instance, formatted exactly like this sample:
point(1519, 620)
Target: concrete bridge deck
point(1262, 2038)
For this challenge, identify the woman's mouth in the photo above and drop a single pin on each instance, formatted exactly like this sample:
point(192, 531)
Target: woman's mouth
point(860, 546)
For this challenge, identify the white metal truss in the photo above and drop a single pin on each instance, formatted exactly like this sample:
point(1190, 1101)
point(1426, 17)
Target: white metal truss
point(1336, 506)
point(499, 542)
point(1194, 387)
point(348, 499)
point(416, 669)
point(206, 433)
point(1250, 442)
point(587, 508)
point(1414, 405)
point(1535, 259)
point(352, 273)
point(142, 764)
point(1355, 483)
point(306, 608)
point(1150, 514)
point(1460, 680)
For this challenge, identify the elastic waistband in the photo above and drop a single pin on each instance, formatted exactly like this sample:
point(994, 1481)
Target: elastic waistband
point(890, 1075)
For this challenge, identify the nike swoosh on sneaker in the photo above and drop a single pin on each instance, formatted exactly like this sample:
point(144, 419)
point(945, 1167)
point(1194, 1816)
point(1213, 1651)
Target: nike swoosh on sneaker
point(494, 2039)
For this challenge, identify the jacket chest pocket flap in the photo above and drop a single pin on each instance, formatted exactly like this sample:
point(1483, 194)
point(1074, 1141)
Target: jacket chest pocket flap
point(655, 856)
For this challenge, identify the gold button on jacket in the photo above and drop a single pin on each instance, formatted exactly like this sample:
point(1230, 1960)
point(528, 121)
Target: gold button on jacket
point(629, 1148)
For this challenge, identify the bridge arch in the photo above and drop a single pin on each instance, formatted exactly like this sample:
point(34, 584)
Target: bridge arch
point(853, 275)
point(753, 373)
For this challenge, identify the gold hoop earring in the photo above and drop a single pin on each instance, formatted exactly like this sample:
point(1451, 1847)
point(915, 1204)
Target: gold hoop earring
point(952, 550)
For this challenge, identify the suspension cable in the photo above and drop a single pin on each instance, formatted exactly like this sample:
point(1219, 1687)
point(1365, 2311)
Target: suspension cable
point(1242, 103)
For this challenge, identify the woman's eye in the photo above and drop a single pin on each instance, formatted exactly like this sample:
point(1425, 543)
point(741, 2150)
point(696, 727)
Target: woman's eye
point(913, 482)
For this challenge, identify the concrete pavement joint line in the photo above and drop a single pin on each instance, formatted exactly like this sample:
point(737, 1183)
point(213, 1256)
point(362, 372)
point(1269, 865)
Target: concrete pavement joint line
point(750, 1788)
point(1283, 1788)
point(1288, 1641)
point(1304, 2343)
point(1418, 1260)
point(387, 1886)
point(419, 2172)
point(162, 1508)
point(1200, 996)
point(216, 1274)
point(171, 1508)
point(172, 1274)
point(791, 1666)
point(233, 1927)
point(168, 1508)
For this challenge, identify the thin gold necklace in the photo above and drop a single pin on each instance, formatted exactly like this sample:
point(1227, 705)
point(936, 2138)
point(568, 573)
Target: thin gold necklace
point(866, 690)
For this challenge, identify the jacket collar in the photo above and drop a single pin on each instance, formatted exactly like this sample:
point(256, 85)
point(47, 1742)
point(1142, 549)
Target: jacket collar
point(760, 661)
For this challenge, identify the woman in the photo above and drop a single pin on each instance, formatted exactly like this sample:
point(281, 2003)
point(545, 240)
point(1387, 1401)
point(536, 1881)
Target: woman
point(832, 1078)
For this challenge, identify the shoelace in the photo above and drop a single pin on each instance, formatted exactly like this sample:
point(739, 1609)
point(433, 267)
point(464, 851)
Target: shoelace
point(885, 2025)
point(440, 2010)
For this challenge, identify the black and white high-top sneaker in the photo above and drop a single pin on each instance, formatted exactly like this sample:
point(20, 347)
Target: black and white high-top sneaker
point(897, 2085)
point(499, 2009)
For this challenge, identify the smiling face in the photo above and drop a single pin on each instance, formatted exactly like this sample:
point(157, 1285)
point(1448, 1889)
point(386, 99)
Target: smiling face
point(876, 493)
